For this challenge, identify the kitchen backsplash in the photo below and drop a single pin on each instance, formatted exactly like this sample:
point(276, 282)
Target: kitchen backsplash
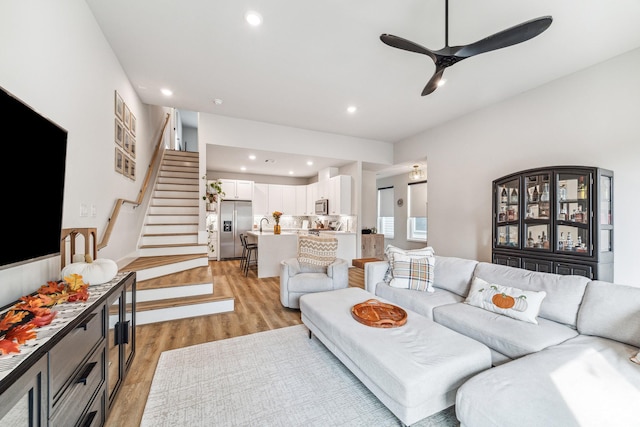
point(347, 222)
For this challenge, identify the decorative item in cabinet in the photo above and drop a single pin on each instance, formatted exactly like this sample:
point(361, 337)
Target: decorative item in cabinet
point(562, 220)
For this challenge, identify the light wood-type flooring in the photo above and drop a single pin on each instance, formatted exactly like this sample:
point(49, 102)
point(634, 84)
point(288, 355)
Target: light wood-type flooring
point(257, 309)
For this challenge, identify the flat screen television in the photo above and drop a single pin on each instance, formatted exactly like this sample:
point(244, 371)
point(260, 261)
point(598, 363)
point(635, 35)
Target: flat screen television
point(32, 178)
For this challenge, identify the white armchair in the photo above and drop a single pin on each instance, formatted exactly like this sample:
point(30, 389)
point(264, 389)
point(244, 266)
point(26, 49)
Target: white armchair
point(297, 279)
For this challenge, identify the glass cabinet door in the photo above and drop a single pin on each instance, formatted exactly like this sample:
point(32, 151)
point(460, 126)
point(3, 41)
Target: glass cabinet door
point(574, 192)
point(507, 214)
point(537, 215)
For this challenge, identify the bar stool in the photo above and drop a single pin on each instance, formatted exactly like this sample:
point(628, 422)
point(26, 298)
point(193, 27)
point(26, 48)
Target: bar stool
point(251, 251)
point(243, 258)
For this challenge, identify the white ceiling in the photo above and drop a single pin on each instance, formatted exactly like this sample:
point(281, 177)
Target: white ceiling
point(311, 59)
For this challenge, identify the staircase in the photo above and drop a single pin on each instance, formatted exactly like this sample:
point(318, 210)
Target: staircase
point(173, 274)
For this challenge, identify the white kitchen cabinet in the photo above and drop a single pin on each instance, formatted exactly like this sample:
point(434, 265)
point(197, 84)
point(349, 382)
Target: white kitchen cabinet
point(288, 200)
point(301, 201)
point(312, 196)
point(235, 189)
point(275, 197)
point(261, 199)
point(339, 190)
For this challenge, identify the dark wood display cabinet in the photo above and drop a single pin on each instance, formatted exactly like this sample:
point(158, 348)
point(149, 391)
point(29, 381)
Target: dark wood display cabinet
point(71, 372)
point(556, 220)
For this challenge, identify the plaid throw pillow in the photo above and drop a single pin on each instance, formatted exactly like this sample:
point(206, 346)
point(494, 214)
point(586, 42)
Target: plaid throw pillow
point(411, 272)
point(316, 250)
point(391, 250)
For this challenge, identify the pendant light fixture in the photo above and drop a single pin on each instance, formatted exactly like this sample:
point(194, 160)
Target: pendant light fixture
point(416, 174)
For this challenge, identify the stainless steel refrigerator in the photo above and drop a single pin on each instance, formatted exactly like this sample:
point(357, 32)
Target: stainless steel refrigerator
point(235, 218)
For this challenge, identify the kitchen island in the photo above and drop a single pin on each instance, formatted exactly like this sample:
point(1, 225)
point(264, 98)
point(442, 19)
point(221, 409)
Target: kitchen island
point(273, 248)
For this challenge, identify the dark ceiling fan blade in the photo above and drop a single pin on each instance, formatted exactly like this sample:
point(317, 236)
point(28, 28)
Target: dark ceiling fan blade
point(404, 44)
point(509, 37)
point(432, 84)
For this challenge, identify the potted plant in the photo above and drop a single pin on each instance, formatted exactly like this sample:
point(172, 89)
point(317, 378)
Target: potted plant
point(212, 190)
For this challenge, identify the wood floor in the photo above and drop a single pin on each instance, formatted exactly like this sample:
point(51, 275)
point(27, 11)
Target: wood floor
point(257, 309)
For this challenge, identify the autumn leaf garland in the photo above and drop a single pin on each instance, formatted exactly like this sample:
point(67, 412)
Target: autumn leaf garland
point(18, 323)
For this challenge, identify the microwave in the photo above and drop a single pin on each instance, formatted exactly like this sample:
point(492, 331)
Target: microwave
point(322, 207)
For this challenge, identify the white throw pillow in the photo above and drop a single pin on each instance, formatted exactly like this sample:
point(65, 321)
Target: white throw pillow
point(512, 302)
point(390, 250)
point(413, 272)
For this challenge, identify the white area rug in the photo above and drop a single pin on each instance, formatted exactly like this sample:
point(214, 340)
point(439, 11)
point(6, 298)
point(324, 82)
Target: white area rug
point(274, 378)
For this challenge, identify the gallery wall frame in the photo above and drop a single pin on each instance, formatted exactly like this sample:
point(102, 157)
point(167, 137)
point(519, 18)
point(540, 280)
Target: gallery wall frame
point(119, 106)
point(119, 132)
point(119, 160)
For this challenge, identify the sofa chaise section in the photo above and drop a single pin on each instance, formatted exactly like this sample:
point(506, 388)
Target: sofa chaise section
point(588, 380)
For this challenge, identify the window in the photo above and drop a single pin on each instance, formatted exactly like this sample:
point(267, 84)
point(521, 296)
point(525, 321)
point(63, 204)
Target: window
point(417, 212)
point(385, 212)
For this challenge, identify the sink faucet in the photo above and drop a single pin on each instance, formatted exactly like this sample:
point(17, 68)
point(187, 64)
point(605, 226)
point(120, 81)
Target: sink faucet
point(263, 219)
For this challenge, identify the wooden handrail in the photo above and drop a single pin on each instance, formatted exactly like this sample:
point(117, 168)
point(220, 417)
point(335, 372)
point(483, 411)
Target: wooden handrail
point(143, 190)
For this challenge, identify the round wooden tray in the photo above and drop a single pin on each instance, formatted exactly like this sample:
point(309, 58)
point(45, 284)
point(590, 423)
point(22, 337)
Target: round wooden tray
point(379, 314)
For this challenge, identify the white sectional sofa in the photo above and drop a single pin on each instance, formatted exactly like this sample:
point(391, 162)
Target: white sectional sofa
point(572, 368)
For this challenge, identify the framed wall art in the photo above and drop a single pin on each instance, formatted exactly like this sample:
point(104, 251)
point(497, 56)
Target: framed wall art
point(119, 132)
point(126, 168)
point(127, 142)
point(132, 146)
point(132, 170)
point(127, 117)
point(119, 161)
point(119, 107)
point(132, 124)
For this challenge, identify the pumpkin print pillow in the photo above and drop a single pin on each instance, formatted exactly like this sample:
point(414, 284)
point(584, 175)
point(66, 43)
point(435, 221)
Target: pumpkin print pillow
point(512, 302)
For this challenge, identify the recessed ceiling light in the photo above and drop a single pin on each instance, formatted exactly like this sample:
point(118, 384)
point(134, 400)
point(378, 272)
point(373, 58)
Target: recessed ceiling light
point(351, 109)
point(290, 172)
point(217, 101)
point(441, 82)
point(309, 163)
point(253, 18)
point(242, 168)
point(166, 92)
point(252, 156)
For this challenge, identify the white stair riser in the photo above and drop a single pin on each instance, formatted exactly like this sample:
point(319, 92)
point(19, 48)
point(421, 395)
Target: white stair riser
point(180, 250)
point(173, 210)
point(172, 219)
point(172, 201)
point(180, 169)
point(174, 292)
point(184, 312)
point(177, 180)
point(180, 163)
point(163, 270)
point(170, 228)
point(178, 194)
point(176, 187)
point(179, 174)
point(189, 156)
point(186, 239)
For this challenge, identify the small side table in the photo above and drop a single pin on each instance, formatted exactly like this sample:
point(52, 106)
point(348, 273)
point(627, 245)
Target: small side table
point(360, 262)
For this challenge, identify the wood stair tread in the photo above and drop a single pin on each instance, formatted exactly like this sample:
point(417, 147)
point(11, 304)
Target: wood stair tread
point(180, 302)
point(173, 245)
point(193, 276)
point(142, 263)
point(168, 234)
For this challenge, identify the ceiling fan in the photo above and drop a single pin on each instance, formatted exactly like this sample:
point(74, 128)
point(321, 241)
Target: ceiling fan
point(449, 55)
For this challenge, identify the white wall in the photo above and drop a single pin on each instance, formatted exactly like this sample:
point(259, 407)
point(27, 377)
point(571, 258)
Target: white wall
point(589, 118)
point(55, 58)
